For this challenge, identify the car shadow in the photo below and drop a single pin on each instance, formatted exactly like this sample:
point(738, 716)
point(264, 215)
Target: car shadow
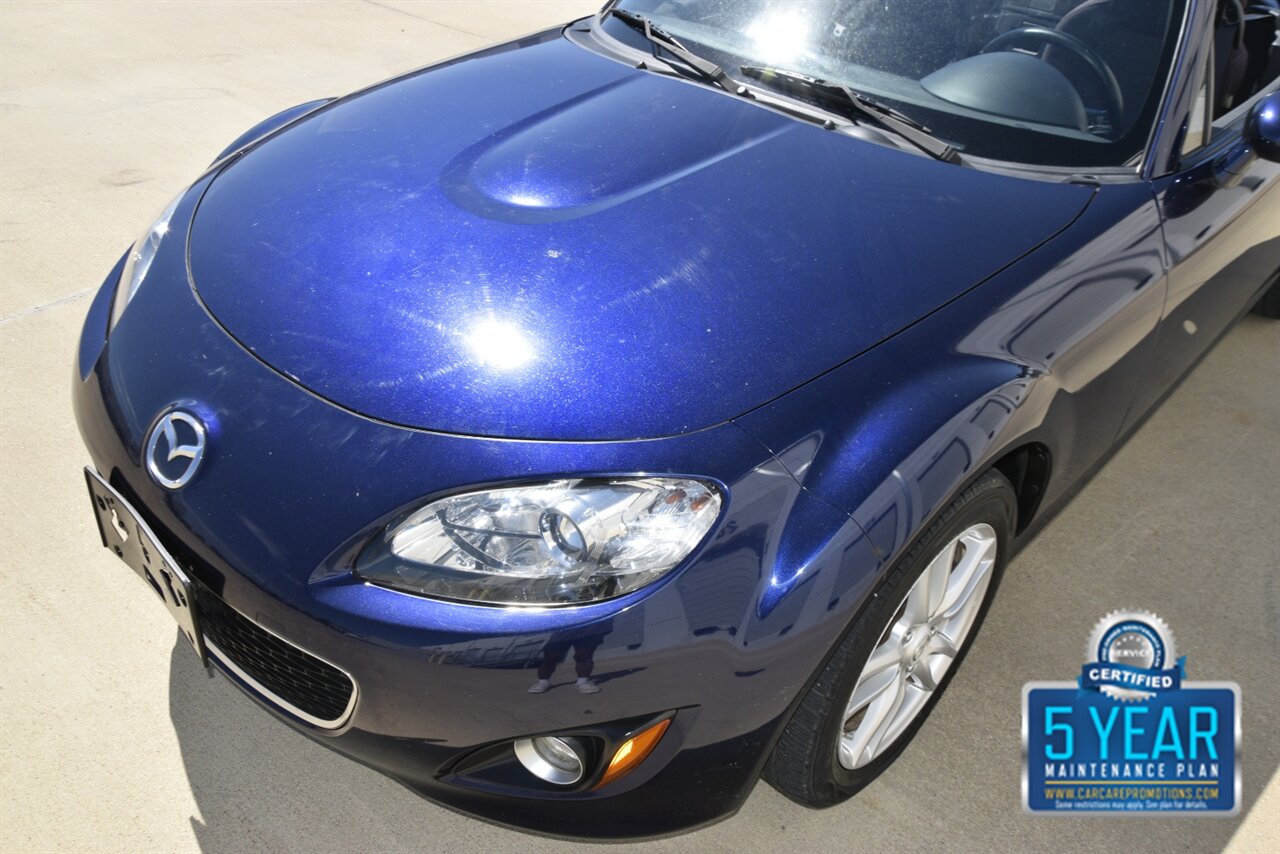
point(259, 785)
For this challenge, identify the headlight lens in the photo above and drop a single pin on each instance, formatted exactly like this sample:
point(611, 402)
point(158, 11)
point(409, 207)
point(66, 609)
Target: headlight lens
point(565, 542)
point(139, 261)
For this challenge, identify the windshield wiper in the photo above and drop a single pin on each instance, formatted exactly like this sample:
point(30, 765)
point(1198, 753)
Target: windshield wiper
point(882, 114)
point(660, 38)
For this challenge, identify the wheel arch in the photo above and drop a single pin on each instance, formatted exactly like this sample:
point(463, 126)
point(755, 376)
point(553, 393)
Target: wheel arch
point(1028, 468)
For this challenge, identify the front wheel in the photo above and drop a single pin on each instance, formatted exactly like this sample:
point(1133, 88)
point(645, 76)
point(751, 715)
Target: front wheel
point(892, 666)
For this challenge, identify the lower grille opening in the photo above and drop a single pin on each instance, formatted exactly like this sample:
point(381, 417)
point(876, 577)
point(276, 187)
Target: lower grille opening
point(317, 689)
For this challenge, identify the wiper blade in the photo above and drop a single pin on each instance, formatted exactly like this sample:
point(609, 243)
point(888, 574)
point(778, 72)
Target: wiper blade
point(887, 117)
point(660, 38)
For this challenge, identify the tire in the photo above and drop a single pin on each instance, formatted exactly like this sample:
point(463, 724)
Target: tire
point(1269, 305)
point(811, 762)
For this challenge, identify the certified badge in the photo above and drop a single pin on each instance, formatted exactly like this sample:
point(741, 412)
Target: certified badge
point(1128, 657)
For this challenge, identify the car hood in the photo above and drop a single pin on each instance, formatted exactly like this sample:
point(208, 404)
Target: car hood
point(539, 242)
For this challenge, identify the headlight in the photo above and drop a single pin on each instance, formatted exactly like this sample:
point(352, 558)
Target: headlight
point(139, 261)
point(569, 541)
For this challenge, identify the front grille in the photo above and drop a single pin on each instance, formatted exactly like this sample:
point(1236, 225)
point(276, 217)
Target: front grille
point(316, 688)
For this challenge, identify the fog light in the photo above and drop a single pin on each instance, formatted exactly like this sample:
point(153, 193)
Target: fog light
point(556, 760)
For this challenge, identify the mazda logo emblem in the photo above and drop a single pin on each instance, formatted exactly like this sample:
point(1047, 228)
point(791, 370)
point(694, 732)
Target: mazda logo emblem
point(175, 449)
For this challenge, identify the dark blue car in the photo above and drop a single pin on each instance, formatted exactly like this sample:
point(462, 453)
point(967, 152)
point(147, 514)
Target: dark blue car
point(578, 430)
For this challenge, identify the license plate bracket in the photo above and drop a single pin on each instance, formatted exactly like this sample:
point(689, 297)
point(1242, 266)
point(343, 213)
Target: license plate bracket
point(124, 533)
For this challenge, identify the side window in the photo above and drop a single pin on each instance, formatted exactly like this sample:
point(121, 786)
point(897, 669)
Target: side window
point(1244, 60)
point(1246, 56)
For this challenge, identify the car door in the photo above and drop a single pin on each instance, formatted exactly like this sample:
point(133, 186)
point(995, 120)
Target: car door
point(1219, 204)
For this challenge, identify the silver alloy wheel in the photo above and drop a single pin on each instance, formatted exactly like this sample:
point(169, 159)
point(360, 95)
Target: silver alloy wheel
point(916, 650)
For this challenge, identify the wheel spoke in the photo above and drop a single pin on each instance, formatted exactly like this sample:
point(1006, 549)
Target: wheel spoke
point(927, 592)
point(885, 655)
point(871, 685)
point(888, 720)
point(881, 710)
point(923, 675)
point(968, 577)
point(942, 645)
point(918, 601)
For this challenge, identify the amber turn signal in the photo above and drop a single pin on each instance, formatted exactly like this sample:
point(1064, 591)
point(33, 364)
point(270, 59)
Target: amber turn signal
point(633, 751)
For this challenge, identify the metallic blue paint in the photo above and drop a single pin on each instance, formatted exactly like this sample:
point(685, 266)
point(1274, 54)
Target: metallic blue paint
point(1048, 352)
point(797, 248)
point(647, 228)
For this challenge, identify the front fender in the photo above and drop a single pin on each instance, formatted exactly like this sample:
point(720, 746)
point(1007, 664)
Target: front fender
point(269, 125)
point(1049, 351)
point(896, 444)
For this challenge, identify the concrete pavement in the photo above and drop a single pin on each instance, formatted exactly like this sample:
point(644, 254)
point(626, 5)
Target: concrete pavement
point(115, 741)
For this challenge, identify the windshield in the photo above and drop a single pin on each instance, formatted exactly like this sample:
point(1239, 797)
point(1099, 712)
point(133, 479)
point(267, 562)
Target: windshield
point(1072, 83)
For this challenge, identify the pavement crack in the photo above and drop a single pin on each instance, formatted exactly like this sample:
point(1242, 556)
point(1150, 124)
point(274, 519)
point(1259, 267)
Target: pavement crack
point(39, 308)
point(426, 20)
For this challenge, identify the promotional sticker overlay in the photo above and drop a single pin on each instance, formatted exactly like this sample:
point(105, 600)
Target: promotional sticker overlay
point(1131, 735)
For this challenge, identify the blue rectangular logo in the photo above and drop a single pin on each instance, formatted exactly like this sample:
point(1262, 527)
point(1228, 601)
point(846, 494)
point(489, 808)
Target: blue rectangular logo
point(1177, 752)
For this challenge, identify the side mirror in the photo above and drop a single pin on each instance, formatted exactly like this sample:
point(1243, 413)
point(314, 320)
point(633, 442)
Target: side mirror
point(1262, 128)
